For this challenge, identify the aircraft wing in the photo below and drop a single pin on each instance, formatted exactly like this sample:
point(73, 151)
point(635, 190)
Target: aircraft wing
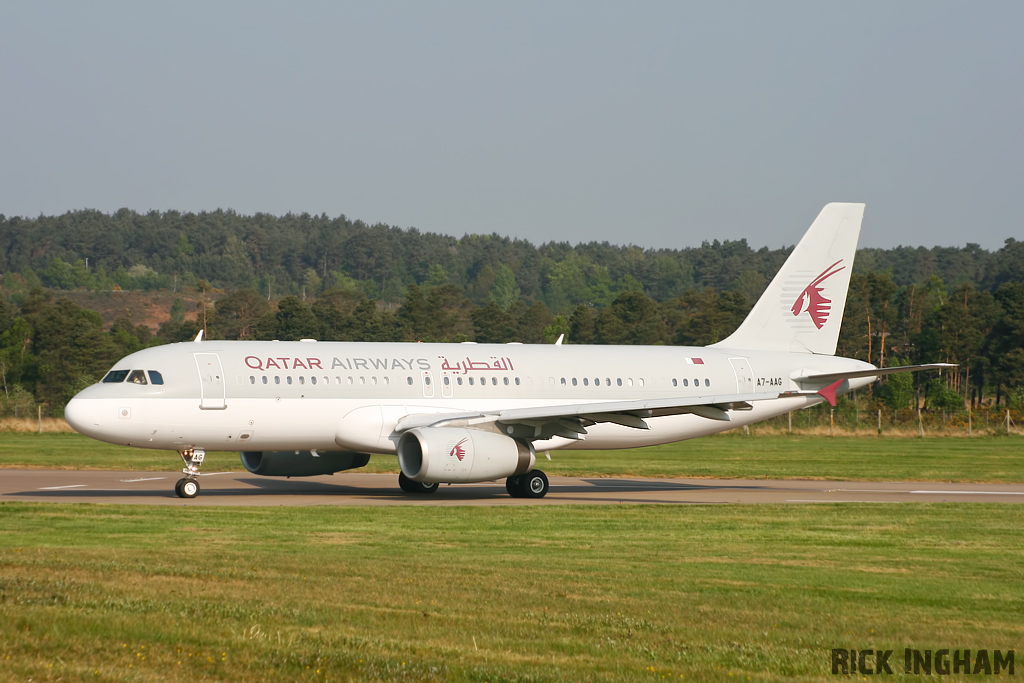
point(571, 420)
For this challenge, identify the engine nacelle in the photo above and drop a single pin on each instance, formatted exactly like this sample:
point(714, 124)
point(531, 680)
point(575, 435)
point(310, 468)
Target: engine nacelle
point(301, 463)
point(443, 454)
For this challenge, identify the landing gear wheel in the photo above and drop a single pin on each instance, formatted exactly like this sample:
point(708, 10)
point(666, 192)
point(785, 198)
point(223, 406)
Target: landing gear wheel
point(514, 486)
point(187, 488)
point(534, 484)
point(193, 459)
point(410, 486)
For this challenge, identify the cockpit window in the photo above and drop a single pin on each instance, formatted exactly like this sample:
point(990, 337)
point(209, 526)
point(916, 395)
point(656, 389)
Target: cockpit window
point(115, 376)
point(137, 377)
point(155, 377)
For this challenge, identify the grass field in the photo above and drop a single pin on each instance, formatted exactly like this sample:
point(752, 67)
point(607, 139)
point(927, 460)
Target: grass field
point(979, 459)
point(631, 593)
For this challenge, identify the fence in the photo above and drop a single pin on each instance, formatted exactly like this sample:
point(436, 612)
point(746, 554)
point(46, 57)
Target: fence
point(847, 419)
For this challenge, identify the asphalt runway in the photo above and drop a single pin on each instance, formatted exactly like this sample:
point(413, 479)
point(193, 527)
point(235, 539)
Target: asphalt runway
point(242, 488)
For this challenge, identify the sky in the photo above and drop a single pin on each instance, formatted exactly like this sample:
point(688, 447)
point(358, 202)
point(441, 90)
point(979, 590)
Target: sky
point(660, 124)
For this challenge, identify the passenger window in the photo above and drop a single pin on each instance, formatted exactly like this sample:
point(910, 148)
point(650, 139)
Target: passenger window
point(707, 382)
point(408, 380)
point(302, 380)
point(115, 376)
point(563, 381)
point(618, 381)
point(608, 381)
point(574, 381)
point(155, 377)
point(696, 382)
point(586, 382)
point(458, 380)
point(505, 379)
point(675, 382)
point(252, 379)
point(447, 380)
point(471, 381)
point(597, 381)
point(137, 377)
point(426, 380)
point(277, 379)
point(686, 382)
point(312, 379)
point(517, 381)
point(641, 381)
point(264, 379)
point(494, 381)
point(288, 379)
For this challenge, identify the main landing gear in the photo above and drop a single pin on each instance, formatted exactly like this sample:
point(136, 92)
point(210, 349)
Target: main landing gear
point(533, 484)
point(410, 486)
point(189, 486)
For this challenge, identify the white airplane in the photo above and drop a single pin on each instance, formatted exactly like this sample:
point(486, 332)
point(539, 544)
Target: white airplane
point(458, 413)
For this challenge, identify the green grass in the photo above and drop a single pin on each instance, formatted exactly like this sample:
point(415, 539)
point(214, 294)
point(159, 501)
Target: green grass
point(978, 459)
point(627, 593)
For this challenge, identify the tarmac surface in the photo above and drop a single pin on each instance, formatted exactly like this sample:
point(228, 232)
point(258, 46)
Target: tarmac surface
point(242, 488)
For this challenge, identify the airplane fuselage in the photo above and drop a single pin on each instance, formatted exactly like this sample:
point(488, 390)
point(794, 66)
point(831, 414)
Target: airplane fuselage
point(223, 395)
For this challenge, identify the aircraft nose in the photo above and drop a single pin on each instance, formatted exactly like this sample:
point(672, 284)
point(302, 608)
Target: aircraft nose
point(81, 415)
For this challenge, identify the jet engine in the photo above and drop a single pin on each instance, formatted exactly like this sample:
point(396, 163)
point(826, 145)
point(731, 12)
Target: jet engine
point(301, 463)
point(444, 454)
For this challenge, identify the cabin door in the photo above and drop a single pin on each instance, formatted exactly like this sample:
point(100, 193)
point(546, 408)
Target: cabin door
point(211, 382)
point(744, 377)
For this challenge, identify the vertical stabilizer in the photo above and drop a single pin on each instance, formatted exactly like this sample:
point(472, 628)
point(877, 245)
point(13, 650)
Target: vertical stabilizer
point(802, 309)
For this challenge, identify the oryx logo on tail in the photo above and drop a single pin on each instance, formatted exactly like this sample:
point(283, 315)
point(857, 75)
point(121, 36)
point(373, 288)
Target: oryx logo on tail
point(812, 300)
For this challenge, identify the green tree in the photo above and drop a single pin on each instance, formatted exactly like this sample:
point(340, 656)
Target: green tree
point(633, 318)
point(294, 320)
point(238, 312)
point(492, 325)
point(505, 291)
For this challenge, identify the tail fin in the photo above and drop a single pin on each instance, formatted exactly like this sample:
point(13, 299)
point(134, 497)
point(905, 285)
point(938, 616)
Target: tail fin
point(802, 309)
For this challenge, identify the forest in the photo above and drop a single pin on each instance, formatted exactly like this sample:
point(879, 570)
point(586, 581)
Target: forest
point(297, 276)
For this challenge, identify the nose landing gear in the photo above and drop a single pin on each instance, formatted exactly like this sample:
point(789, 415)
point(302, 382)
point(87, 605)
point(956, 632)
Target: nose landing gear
point(189, 486)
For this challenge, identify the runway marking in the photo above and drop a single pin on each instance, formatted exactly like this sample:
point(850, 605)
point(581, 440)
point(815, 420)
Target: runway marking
point(976, 493)
point(54, 488)
point(970, 493)
point(130, 481)
point(833, 500)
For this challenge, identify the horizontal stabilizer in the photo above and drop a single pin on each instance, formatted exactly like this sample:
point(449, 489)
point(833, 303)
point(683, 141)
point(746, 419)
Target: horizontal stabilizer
point(877, 372)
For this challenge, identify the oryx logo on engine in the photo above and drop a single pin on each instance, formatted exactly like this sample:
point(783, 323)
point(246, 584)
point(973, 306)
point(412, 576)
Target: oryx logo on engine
point(813, 301)
point(458, 451)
